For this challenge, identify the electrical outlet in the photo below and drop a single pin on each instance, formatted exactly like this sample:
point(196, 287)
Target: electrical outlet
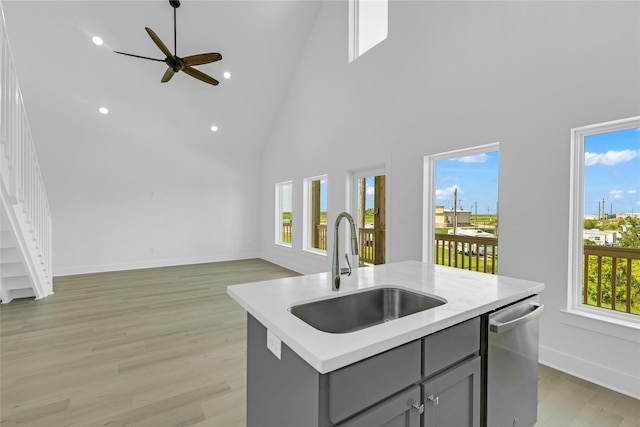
point(274, 343)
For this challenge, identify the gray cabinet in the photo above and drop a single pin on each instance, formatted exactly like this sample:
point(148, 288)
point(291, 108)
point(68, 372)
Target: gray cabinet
point(401, 410)
point(389, 389)
point(452, 398)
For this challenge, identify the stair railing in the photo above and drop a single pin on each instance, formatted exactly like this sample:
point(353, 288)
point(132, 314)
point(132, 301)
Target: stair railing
point(23, 189)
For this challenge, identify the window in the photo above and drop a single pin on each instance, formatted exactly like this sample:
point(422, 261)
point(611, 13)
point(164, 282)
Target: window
point(368, 24)
point(284, 213)
point(604, 246)
point(372, 219)
point(461, 209)
point(315, 214)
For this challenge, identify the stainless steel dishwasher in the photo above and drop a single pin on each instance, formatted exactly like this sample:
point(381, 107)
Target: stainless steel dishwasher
point(510, 364)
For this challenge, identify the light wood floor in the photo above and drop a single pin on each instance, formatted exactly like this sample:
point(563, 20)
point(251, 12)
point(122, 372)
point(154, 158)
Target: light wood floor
point(166, 347)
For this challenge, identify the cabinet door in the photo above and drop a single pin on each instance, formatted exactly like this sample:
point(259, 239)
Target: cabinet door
point(401, 410)
point(452, 398)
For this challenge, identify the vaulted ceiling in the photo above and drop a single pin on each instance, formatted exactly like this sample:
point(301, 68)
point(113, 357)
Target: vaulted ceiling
point(65, 78)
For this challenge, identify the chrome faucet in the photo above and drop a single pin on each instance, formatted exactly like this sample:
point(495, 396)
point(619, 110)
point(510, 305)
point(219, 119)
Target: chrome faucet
point(336, 271)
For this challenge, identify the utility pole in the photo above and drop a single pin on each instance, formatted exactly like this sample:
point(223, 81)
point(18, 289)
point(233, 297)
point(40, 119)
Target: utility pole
point(476, 205)
point(455, 210)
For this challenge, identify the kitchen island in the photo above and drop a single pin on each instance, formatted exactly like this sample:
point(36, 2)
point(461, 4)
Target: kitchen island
point(300, 376)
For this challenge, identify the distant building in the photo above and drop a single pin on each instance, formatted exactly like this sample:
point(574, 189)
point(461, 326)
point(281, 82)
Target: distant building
point(446, 217)
point(600, 237)
point(625, 215)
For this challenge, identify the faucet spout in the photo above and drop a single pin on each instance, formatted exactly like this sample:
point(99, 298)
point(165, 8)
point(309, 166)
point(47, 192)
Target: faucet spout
point(336, 271)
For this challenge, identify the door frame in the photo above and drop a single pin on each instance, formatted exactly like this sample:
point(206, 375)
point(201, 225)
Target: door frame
point(352, 201)
point(429, 191)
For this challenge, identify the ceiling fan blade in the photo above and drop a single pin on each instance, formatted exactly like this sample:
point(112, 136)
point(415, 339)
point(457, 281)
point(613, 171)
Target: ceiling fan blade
point(200, 75)
point(158, 42)
point(138, 56)
point(167, 75)
point(203, 58)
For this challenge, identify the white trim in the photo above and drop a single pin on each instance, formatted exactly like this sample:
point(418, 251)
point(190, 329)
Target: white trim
point(576, 212)
point(429, 190)
point(605, 324)
point(353, 30)
point(278, 215)
point(138, 265)
point(595, 373)
point(351, 192)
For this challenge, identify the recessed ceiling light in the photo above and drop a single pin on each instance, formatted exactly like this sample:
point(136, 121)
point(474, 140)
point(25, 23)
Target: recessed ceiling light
point(97, 41)
point(103, 110)
point(227, 75)
point(214, 128)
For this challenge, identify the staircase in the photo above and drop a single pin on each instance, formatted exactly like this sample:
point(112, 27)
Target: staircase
point(25, 218)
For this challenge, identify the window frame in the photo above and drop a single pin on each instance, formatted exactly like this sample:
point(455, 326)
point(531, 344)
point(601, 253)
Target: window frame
point(278, 240)
point(429, 192)
point(355, 30)
point(307, 208)
point(576, 223)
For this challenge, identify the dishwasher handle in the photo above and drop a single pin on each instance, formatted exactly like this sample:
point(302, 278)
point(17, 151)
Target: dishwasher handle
point(499, 327)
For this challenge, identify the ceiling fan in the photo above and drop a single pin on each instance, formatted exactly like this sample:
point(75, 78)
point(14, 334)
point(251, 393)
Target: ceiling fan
point(176, 63)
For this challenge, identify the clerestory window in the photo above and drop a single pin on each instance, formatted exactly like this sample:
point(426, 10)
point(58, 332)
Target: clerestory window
point(368, 25)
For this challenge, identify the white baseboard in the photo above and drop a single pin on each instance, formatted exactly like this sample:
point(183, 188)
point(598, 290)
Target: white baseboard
point(104, 268)
point(286, 263)
point(604, 376)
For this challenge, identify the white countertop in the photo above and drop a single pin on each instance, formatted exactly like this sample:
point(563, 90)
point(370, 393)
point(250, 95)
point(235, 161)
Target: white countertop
point(468, 294)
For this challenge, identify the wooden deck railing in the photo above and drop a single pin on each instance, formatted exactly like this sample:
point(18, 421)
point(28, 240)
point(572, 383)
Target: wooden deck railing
point(322, 234)
point(611, 275)
point(611, 278)
point(286, 232)
point(367, 249)
point(467, 252)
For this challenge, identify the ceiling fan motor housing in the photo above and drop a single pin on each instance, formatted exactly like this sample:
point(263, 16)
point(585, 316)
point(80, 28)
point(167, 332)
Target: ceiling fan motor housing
point(174, 3)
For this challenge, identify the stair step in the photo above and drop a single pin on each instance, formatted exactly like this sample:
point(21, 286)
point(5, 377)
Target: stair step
point(8, 255)
point(23, 293)
point(12, 269)
point(13, 283)
point(6, 240)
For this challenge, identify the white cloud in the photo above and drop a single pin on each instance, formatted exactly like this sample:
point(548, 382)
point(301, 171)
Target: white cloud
point(616, 194)
point(447, 193)
point(478, 158)
point(371, 191)
point(632, 192)
point(611, 157)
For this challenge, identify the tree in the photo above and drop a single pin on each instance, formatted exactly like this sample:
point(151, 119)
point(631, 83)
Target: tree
point(631, 237)
point(590, 224)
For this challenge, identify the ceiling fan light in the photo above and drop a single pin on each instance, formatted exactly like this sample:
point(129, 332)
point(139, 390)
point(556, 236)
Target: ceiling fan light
point(214, 128)
point(227, 75)
point(97, 40)
point(103, 110)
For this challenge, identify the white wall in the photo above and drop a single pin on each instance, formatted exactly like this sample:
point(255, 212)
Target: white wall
point(454, 75)
point(141, 203)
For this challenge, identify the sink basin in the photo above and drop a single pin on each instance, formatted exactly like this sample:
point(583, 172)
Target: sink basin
point(361, 310)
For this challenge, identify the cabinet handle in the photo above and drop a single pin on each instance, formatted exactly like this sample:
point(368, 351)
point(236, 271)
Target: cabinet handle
point(434, 400)
point(418, 407)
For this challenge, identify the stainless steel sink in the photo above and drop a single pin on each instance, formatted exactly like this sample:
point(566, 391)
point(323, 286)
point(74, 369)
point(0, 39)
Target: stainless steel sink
point(361, 310)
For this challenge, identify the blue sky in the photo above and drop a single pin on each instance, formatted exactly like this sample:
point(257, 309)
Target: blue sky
point(475, 177)
point(612, 172)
